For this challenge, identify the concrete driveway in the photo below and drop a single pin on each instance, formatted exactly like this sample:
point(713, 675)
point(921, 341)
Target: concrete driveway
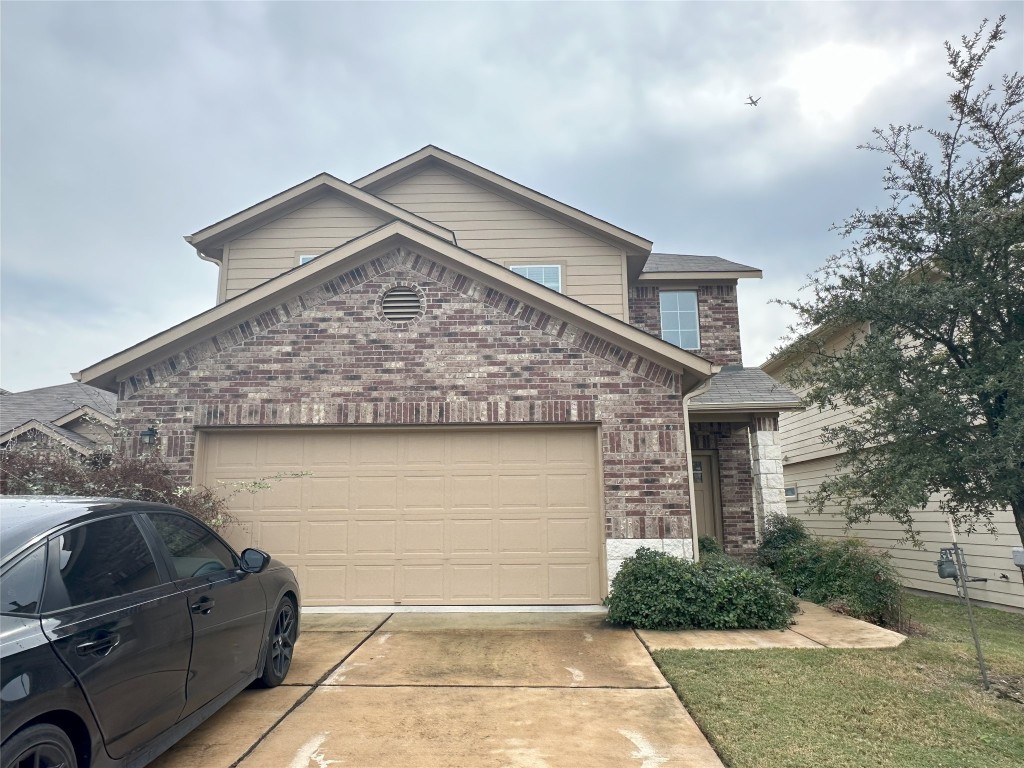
point(415, 690)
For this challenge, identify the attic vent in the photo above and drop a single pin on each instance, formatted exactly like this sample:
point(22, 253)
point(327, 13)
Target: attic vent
point(401, 304)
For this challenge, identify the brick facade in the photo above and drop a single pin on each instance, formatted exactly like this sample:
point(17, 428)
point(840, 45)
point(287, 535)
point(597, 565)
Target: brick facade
point(717, 311)
point(476, 356)
point(731, 441)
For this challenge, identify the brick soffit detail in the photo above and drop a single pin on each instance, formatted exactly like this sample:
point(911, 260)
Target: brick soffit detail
point(293, 307)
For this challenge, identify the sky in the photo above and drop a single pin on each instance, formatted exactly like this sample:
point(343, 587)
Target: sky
point(124, 126)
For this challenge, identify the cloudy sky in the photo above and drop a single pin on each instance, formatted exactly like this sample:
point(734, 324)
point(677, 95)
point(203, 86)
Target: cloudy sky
point(127, 125)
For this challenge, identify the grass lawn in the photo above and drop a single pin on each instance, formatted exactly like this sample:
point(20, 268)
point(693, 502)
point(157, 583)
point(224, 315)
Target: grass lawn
point(917, 705)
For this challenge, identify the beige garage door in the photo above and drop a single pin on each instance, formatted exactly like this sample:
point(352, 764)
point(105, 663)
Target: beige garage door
point(421, 516)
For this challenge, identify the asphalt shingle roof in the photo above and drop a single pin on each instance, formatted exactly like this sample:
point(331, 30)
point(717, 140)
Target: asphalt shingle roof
point(735, 385)
point(49, 403)
point(679, 262)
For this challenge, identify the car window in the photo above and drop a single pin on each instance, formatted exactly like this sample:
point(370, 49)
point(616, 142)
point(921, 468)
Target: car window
point(22, 584)
point(99, 560)
point(194, 549)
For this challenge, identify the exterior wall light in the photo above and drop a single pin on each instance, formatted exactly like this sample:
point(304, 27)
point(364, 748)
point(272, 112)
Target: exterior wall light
point(148, 436)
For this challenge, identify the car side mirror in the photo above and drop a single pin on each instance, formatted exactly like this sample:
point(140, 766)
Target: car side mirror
point(254, 560)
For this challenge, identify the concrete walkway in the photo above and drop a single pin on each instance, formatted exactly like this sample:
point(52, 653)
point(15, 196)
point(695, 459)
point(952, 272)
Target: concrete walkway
point(815, 627)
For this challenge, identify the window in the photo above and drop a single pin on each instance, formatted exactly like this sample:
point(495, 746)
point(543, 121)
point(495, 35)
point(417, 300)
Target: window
point(21, 585)
point(305, 258)
point(791, 492)
point(679, 322)
point(549, 275)
point(98, 560)
point(195, 551)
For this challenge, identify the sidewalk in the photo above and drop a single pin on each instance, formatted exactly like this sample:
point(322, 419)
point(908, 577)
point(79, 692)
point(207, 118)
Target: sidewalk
point(815, 627)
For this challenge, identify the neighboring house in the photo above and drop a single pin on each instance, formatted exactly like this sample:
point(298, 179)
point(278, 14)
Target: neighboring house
point(476, 378)
point(76, 416)
point(808, 459)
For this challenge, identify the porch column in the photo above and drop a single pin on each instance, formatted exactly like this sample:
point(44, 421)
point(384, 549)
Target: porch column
point(766, 466)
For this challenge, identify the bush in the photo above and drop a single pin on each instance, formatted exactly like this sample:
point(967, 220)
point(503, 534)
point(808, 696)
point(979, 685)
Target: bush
point(56, 471)
point(653, 590)
point(845, 574)
point(708, 545)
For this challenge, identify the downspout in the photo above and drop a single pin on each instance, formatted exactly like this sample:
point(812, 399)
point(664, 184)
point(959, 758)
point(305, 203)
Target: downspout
point(700, 389)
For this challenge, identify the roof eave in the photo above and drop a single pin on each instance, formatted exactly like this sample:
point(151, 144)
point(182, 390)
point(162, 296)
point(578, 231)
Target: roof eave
point(652, 277)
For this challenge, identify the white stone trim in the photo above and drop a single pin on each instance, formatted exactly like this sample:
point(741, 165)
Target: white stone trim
point(617, 550)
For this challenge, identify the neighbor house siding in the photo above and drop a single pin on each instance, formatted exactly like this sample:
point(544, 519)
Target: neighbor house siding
point(272, 249)
point(477, 356)
point(507, 232)
point(988, 556)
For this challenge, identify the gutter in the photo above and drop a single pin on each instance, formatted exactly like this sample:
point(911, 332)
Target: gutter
point(700, 389)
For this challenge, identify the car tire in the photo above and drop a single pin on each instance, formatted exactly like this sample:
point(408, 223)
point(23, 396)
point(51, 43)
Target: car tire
point(44, 745)
point(280, 644)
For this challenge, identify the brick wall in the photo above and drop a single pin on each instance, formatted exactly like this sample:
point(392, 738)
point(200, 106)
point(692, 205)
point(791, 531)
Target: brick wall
point(731, 440)
point(326, 357)
point(717, 311)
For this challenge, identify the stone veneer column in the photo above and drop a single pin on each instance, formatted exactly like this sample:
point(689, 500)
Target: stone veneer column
point(766, 460)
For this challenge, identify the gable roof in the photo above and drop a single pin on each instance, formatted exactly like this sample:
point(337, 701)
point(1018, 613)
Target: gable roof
point(668, 266)
point(108, 372)
point(632, 244)
point(210, 240)
point(747, 389)
point(49, 409)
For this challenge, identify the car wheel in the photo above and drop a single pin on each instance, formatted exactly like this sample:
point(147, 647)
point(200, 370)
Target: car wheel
point(280, 644)
point(41, 746)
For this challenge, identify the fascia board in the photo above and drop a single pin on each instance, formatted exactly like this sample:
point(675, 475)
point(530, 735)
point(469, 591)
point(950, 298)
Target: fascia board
point(324, 181)
point(105, 373)
point(696, 277)
point(46, 429)
point(633, 243)
point(83, 410)
point(743, 407)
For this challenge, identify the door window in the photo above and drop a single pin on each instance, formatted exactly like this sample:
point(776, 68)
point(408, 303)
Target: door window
point(21, 585)
point(194, 549)
point(97, 561)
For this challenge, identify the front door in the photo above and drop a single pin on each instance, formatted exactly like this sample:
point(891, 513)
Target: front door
point(706, 494)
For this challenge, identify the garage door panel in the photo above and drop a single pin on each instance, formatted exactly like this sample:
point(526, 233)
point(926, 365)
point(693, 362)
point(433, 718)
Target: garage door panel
point(375, 492)
point(472, 537)
point(373, 582)
point(327, 493)
point(458, 516)
point(521, 537)
point(425, 492)
point(280, 537)
point(423, 537)
point(327, 537)
point(374, 537)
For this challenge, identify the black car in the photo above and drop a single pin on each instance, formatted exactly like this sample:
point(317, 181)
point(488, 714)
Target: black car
point(124, 625)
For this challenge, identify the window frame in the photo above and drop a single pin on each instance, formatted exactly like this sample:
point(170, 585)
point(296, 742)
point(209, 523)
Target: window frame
point(786, 488)
point(305, 258)
point(696, 313)
point(545, 265)
point(15, 562)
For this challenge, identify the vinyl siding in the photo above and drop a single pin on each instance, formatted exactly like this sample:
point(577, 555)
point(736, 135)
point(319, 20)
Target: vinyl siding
point(270, 250)
point(988, 556)
point(509, 233)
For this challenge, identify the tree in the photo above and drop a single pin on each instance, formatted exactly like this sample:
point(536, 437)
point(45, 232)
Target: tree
point(932, 290)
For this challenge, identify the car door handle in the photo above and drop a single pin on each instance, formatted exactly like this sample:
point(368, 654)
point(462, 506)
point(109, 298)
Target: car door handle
point(101, 646)
point(204, 605)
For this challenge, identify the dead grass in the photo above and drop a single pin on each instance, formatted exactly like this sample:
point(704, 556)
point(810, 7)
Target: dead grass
point(917, 706)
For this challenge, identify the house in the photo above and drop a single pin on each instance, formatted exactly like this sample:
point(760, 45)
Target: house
point(497, 397)
point(75, 416)
point(808, 459)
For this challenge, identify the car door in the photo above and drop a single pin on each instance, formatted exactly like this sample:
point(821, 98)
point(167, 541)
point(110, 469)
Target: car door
point(227, 607)
point(121, 626)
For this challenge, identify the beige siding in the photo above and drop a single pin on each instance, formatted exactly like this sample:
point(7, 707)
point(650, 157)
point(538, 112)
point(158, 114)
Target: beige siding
point(267, 252)
point(509, 233)
point(988, 556)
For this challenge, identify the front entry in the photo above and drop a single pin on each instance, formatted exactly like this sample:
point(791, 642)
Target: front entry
point(706, 494)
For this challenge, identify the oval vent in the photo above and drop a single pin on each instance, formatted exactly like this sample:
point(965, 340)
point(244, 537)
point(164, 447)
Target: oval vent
point(401, 304)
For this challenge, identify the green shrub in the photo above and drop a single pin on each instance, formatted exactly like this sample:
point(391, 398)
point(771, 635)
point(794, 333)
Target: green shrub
point(708, 545)
point(845, 574)
point(653, 590)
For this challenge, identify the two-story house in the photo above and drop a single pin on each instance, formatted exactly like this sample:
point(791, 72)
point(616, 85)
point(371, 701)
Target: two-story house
point(471, 393)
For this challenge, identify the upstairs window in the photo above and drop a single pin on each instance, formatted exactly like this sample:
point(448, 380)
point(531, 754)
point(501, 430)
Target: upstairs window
point(549, 275)
point(305, 258)
point(679, 322)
